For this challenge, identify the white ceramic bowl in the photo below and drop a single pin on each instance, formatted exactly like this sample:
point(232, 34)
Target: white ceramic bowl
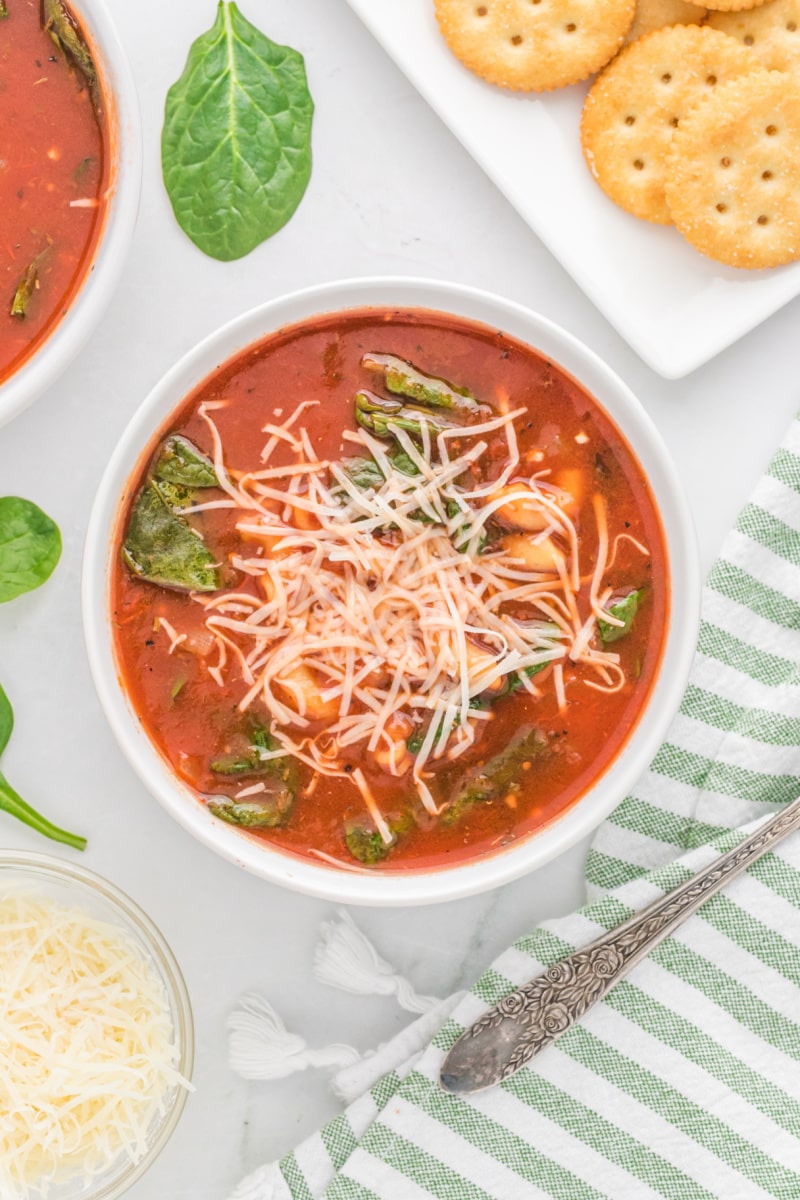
point(125, 179)
point(410, 887)
point(74, 887)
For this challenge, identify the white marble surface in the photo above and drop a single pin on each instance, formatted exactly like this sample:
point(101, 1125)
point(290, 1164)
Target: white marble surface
point(232, 932)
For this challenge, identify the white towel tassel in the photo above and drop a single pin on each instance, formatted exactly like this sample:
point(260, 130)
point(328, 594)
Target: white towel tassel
point(345, 959)
point(261, 1047)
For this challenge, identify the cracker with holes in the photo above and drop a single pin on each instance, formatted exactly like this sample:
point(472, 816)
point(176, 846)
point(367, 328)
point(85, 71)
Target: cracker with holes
point(771, 32)
point(733, 172)
point(534, 45)
point(655, 14)
point(636, 104)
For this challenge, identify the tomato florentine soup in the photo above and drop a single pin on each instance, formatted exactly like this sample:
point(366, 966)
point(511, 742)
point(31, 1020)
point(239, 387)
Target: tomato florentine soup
point(391, 590)
point(53, 170)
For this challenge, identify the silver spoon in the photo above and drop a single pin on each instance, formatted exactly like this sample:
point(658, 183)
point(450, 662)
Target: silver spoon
point(523, 1024)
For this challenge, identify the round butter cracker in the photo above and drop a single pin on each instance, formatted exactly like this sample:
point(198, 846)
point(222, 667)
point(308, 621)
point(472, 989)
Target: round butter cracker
point(733, 172)
point(733, 5)
point(534, 45)
point(772, 32)
point(635, 105)
point(656, 14)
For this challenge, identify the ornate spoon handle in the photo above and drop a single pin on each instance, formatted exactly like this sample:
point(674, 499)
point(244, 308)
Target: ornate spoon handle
point(533, 1016)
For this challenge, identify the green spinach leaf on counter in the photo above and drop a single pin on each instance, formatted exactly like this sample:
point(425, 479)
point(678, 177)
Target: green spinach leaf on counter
point(12, 803)
point(30, 547)
point(236, 142)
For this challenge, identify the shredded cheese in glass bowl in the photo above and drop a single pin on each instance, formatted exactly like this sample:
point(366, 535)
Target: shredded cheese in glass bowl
point(96, 1040)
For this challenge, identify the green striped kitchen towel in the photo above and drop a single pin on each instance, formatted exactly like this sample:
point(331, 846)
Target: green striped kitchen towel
point(684, 1083)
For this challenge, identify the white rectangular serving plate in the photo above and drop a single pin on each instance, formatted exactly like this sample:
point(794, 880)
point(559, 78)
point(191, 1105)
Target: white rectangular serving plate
point(676, 308)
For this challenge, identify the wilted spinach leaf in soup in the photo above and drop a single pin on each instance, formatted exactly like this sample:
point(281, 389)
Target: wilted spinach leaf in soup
point(391, 590)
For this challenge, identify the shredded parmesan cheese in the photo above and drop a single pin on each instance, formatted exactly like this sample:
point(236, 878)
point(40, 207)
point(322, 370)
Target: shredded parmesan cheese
point(381, 609)
point(87, 1046)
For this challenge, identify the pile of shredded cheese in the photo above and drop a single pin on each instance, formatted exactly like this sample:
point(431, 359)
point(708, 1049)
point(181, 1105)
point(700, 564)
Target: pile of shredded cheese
point(87, 1045)
point(380, 612)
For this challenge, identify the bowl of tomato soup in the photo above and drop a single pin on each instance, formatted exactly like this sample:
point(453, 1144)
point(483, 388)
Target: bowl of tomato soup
point(390, 591)
point(70, 174)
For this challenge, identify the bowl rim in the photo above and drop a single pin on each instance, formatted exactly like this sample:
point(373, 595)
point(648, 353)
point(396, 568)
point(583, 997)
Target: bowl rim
point(102, 273)
point(624, 410)
point(46, 866)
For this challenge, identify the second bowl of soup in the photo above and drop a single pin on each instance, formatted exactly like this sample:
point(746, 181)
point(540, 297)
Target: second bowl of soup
point(70, 174)
point(381, 606)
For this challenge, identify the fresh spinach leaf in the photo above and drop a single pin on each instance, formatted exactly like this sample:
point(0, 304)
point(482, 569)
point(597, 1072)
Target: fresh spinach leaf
point(236, 142)
point(6, 720)
point(30, 547)
point(12, 803)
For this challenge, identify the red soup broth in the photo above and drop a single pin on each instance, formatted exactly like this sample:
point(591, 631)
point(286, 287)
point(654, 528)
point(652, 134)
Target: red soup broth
point(190, 718)
point(53, 180)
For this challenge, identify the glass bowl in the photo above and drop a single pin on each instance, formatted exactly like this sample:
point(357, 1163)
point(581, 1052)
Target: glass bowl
point(77, 888)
